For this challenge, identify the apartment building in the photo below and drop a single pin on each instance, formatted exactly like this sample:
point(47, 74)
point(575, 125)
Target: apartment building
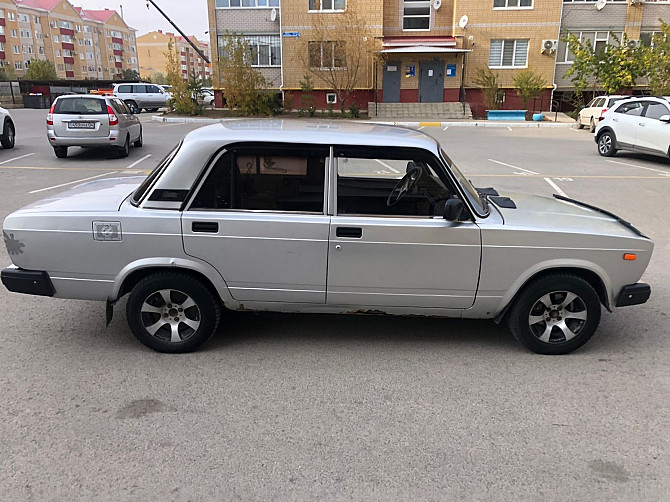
point(601, 24)
point(153, 48)
point(82, 44)
point(430, 51)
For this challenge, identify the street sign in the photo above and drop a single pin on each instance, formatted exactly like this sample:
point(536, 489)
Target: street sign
point(291, 34)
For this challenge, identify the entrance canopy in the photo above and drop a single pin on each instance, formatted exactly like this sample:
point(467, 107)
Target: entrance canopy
point(422, 49)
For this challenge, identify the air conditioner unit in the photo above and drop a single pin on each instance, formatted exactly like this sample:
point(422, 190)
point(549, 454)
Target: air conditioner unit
point(633, 44)
point(549, 45)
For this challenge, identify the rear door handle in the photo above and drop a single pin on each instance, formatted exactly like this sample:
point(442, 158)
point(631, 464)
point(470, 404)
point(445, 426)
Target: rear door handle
point(352, 232)
point(205, 226)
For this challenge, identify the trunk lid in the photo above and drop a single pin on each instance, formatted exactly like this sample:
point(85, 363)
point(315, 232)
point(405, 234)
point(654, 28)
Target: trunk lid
point(81, 117)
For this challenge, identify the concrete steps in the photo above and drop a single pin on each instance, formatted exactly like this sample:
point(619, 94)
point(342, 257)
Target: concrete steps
point(420, 110)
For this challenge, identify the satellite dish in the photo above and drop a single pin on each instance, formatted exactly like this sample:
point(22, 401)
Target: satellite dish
point(600, 4)
point(463, 21)
point(437, 4)
point(273, 14)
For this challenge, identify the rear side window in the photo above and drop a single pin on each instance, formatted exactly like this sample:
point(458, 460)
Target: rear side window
point(140, 88)
point(124, 88)
point(149, 180)
point(80, 106)
point(656, 111)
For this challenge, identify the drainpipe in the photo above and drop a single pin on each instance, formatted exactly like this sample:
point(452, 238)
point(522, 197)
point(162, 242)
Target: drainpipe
point(281, 53)
point(554, 85)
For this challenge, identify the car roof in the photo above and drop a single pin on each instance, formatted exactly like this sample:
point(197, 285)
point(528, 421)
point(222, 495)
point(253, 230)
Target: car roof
point(325, 132)
point(72, 96)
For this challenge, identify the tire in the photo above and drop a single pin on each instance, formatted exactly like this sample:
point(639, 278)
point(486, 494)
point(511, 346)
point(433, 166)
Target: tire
point(9, 135)
point(607, 144)
point(155, 319)
point(580, 125)
point(124, 150)
point(140, 140)
point(134, 109)
point(60, 151)
point(592, 125)
point(565, 325)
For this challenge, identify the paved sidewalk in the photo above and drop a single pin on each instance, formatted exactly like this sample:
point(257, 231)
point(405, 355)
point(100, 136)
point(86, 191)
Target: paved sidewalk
point(405, 122)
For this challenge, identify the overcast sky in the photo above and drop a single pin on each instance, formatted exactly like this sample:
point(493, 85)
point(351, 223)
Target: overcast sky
point(190, 15)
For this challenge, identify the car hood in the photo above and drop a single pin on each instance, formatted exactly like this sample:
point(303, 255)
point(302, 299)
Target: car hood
point(550, 213)
point(99, 196)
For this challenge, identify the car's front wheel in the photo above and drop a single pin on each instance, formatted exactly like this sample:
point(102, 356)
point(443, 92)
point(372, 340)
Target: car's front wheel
point(172, 312)
point(580, 125)
point(9, 136)
point(606, 144)
point(555, 314)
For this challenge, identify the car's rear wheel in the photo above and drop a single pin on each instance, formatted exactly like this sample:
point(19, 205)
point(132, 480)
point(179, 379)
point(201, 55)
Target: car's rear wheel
point(140, 141)
point(134, 109)
point(607, 144)
point(580, 125)
point(9, 136)
point(60, 151)
point(124, 151)
point(592, 125)
point(555, 314)
point(172, 312)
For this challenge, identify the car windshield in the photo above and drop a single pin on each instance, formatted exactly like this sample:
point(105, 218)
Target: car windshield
point(470, 191)
point(80, 106)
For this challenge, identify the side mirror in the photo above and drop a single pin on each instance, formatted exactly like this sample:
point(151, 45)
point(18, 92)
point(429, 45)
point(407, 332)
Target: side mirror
point(453, 209)
point(664, 118)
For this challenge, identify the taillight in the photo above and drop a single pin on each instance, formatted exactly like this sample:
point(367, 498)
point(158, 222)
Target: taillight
point(602, 113)
point(50, 115)
point(113, 119)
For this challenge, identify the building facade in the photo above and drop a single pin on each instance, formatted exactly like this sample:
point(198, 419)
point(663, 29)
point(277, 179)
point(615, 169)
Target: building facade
point(82, 44)
point(153, 48)
point(432, 50)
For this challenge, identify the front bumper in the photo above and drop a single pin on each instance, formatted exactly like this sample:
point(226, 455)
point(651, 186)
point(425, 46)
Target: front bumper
point(29, 282)
point(633, 294)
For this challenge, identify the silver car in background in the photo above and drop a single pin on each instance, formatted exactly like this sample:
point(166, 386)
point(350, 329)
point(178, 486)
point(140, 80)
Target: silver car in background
point(140, 96)
point(92, 121)
point(334, 217)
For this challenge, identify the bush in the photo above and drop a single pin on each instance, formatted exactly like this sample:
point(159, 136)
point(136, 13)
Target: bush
point(490, 86)
point(354, 111)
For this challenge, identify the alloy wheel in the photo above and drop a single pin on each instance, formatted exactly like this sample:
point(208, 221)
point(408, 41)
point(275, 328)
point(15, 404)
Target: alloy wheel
point(170, 315)
point(557, 317)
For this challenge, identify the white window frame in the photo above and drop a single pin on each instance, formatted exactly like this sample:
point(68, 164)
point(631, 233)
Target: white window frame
point(424, 4)
point(269, 4)
point(318, 7)
point(518, 5)
point(506, 42)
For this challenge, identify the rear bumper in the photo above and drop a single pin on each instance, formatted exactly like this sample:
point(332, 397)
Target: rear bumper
point(633, 294)
point(29, 282)
point(114, 139)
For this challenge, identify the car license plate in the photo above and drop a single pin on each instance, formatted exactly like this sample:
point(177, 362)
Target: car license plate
point(81, 125)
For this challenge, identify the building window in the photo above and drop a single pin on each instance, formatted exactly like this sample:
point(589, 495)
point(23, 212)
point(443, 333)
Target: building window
point(264, 50)
point(24, 18)
point(66, 24)
point(2, 13)
point(14, 33)
point(327, 55)
point(508, 54)
point(224, 4)
point(53, 24)
point(55, 39)
point(16, 49)
point(10, 16)
point(18, 65)
point(40, 49)
point(36, 20)
point(416, 15)
point(61, 67)
point(57, 53)
point(2, 47)
point(327, 5)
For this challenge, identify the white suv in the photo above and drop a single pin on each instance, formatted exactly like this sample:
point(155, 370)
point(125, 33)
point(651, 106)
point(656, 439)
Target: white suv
point(151, 97)
point(640, 124)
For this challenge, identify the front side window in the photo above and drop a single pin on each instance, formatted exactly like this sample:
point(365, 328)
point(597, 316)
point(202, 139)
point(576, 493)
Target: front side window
point(327, 4)
point(371, 181)
point(416, 15)
point(266, 178)
point(327, 55)
point(508, 53)
point(656, 111)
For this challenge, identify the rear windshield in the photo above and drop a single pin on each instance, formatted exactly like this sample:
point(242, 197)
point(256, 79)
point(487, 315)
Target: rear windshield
point(81, 106)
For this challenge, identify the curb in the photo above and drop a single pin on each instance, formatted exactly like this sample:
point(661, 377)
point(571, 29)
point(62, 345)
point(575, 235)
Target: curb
point(473, 123)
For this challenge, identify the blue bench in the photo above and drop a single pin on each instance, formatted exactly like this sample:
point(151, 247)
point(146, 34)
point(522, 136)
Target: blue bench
point(510, 115)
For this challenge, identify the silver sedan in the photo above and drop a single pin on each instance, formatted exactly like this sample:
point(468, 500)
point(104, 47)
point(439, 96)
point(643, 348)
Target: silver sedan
point(92, 121)
point(315, 216)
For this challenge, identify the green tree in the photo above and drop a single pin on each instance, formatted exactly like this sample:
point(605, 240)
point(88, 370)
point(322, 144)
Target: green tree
point(244, 88)
point(489, 83)
point(7, 73)
point(131, 75)
point(181, 101)
point(657, 61)
point(529, 86)
point(195, 86)
point(159, 78)
point(41, 69)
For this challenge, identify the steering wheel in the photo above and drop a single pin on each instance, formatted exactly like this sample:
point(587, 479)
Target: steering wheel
point(405, 185)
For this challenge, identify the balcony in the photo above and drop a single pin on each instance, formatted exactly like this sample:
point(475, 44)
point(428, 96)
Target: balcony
point(2, 55)
point(2, 39)
point(68, 60)
point(117, 40)
point(118, 65)
point(69, 74)
point(68, 46)
point(118, 52)
point(65, 31)
point(2, 22)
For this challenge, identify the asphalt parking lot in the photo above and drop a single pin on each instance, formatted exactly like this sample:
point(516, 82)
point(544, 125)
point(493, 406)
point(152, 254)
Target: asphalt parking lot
point(306, 407)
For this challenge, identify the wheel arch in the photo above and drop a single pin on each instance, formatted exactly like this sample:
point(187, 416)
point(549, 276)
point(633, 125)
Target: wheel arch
point(595, 279)
point(604, 130)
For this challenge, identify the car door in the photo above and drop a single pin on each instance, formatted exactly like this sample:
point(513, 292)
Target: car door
point(127, 120)
point(140, 95)
point(625, 121)
point(259, 218)
point(155, 96)
point(404, 254)
point(652, 134)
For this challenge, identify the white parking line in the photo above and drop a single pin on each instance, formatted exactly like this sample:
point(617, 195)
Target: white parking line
point(138, 161)
point(72, 182)
point(17, 158)
point(513, 167)
point(508, 127)
point(387, 166)
point(445, 128)
point(556, 187)
point(639, 167)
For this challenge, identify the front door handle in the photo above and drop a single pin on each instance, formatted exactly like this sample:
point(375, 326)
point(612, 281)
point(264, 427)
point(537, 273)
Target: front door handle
point(642, 124)
point(205, 227)
point(352, 232)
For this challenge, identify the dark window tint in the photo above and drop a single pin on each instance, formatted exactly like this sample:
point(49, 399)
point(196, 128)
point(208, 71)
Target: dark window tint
point(656, 111)
point(266, 178)
point(124, 88)
point(114, 103)
point(635, 108)
point(81, 106)
point(122, 106)
point(140, 88)
point(153, 88)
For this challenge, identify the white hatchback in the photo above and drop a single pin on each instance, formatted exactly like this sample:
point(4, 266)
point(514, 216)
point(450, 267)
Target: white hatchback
point(640, 124)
